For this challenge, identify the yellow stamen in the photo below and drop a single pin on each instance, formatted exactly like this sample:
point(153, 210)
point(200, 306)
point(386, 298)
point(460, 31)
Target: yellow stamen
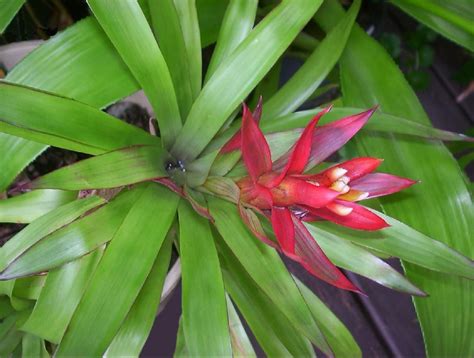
point(354, 195)
point(339, 209)
point(336, 173)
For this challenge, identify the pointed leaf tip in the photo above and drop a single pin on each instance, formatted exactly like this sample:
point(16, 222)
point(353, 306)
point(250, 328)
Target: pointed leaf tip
point(255, 150)
point(309, 254)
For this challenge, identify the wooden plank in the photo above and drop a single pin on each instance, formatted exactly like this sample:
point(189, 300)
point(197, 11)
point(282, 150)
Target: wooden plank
point(393, 314)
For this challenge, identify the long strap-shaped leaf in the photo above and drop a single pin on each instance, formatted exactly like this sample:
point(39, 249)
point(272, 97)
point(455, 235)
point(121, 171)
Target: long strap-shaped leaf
point(380, 121)
point(72, 241)
point(189, 24)
point(8, 10)
point(128, 29)
point(110, 170)
point(268, 322)
point(33, 346)
point(59, 298)
point(167, 29)
point(89, 55)
point(16, 154)
point(120, 275)
point(30, 206)
point(134, 331)
point(240, 72)
point(315, 69)
point(353, 258)
point(266, 268)
point(63, 122)
point(241, 345)
point(205, 321)
point(451, 18)
point(440, 206)
point(238, 21)
point(339, 337)
point(43, 226)
point(400, 240)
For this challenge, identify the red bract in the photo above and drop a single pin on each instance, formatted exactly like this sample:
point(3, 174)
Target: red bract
point(283, 193)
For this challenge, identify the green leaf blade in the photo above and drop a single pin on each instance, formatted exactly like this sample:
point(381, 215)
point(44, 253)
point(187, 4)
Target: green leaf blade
point(53, 249)
point(274, 332)
point(352, 257)
point(315, 69)
point(338, 336)
point(204, 307)
point(167, 29)
point(40, 116)
point(379, 80)
point(239, 74)
point(134, 331)
point(238, 21)
point(59, 298)
point(265, 267)
point(188, 18)
point(8, 12)
point(452, 19)
point(110, 170)
point(30, 206)
point(120, 274)
point(45, 225)
point(127, 28)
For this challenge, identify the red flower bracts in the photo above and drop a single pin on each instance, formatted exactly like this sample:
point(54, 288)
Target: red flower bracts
point(288, 197)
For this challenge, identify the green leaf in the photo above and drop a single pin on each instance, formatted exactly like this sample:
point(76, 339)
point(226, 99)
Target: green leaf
point(28, 287)
point(40, 116)
point(59, 298)
point(120, 275)
point(241, 345)
point(338, 336)
point(205, 322)
point(109, 170)
point(441, 206)
point(239, 73)
point(351, 257)
point(6, 308)
point(189, 24)
point(33, 346)
point(198, 170)
point(44, 226)
point(265, 267)
point(134, 331)
point(238, 21)
point(274, 332)
point(210, 15)
point(315, 69)
point(88, 54)
point(28, 207)
point(180, 350)
point(16, 154)
point(380, 122)
point(402, 241)
point(451, 18)
point(126, 26)
point(167, 29)
point(72, 241)
point(7, 324)
point(9, 341)
point(9, 8)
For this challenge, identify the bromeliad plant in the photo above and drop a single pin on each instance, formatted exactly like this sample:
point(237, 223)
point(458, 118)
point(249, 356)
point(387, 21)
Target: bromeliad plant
point(85, 276)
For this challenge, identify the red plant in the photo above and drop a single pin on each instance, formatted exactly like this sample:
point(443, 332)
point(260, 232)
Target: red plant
point(288, 197)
